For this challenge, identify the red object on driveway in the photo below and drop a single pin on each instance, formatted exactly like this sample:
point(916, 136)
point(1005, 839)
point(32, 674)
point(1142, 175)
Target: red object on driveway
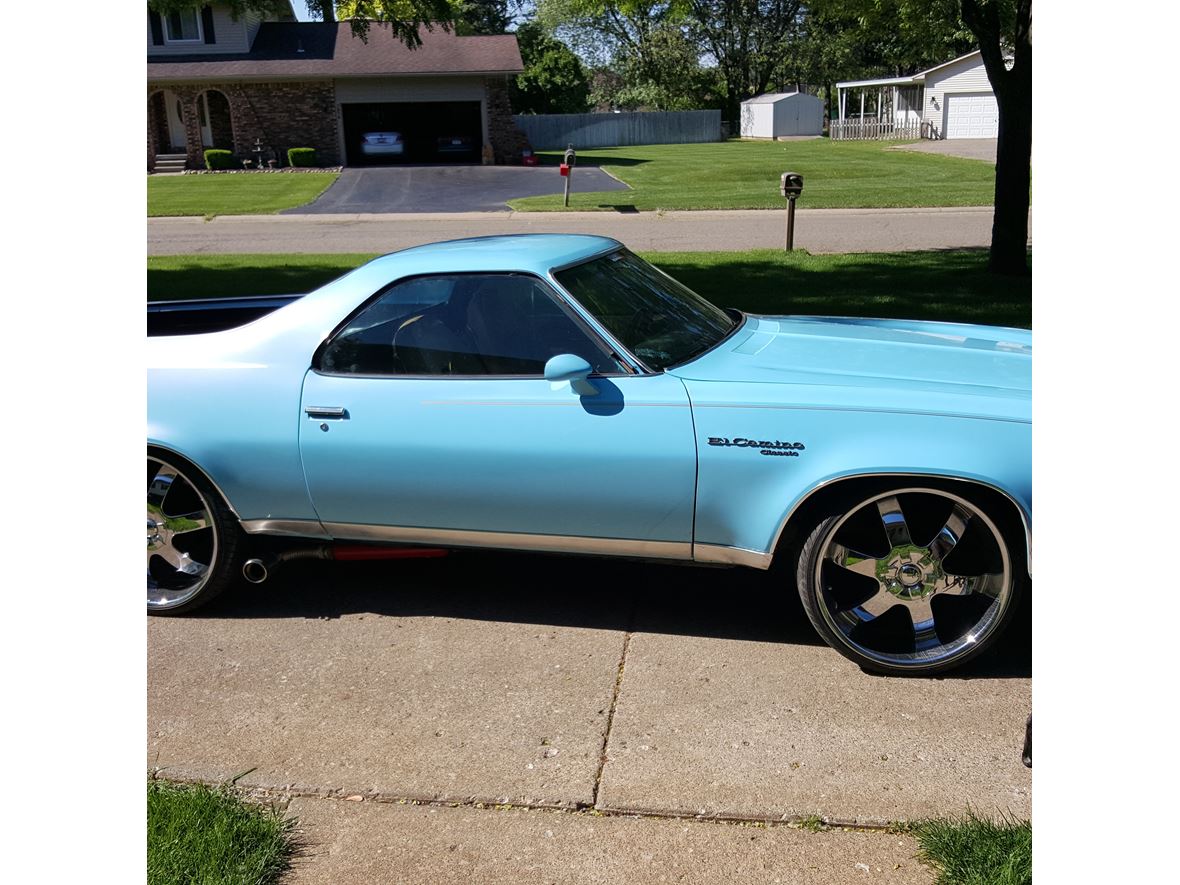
point(565, 168)
point(528, 158)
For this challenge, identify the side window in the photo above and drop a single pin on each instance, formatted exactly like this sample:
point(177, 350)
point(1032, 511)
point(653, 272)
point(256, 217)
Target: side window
point(461, 324)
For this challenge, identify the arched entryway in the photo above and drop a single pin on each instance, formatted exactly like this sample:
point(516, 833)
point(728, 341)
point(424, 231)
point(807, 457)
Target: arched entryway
point(166, 117)
point(215, 120)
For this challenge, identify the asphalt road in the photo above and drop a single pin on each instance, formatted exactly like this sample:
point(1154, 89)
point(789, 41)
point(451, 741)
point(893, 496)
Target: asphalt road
point(557, 685)
point(434, 189)
point(817, 230)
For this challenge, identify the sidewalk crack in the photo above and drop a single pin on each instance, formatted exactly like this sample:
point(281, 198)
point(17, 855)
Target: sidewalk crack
point(614, 703)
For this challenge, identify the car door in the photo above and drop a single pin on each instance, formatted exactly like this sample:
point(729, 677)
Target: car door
point(427, 419)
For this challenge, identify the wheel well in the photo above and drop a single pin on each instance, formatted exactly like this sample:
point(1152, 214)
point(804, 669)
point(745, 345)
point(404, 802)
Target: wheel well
point(848, 492)
point(180, 461)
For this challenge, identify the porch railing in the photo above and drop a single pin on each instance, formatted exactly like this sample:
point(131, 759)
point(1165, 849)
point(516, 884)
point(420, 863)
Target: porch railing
point(866, 130)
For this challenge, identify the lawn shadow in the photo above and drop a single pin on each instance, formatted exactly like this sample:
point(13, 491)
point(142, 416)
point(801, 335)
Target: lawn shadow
point(948, 286)
point(196, 281)
point(555, 158)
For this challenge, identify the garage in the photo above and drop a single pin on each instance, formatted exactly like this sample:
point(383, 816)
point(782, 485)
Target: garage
point(972, 115)
point(430, 132)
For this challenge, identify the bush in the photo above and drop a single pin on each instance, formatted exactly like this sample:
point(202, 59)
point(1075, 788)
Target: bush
point(301, 157)
point(219, 159)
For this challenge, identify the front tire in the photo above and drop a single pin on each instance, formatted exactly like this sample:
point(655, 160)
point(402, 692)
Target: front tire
point(193, 540)
point(909, 581)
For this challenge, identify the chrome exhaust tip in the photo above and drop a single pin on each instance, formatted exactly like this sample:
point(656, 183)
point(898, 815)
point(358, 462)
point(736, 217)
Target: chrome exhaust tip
point(255, 571)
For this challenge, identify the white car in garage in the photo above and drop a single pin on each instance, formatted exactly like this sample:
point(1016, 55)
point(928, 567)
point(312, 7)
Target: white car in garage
point(382, 144)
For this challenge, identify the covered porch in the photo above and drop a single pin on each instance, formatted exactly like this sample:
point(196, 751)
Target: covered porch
point(888, 107)
point(185, 121)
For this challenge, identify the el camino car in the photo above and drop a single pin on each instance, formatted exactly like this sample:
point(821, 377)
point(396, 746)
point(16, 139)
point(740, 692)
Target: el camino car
point(556, 393)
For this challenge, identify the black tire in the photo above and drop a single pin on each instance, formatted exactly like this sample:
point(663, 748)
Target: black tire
point(883, 596)
point(195, 545)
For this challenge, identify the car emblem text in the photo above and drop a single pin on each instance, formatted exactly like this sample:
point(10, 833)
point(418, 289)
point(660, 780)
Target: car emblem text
point(764, 446)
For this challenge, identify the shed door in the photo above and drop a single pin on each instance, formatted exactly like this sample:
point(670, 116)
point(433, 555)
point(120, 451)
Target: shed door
point(972, 115)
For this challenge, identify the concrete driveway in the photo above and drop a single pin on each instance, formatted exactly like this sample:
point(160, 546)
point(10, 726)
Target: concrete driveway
point(969, 148)
point(447, 188)
point(561, 687)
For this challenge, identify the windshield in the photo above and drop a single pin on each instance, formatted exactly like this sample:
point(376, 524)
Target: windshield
point(657, 319)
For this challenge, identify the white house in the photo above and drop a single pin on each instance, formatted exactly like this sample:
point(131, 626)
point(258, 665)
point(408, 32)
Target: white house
point(782, 113)
point(951, 100)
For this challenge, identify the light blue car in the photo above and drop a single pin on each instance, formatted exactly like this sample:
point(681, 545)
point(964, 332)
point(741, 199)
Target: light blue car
point(557, 393)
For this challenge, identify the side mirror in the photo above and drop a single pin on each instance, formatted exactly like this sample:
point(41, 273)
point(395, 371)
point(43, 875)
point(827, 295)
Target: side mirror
point(574, 369)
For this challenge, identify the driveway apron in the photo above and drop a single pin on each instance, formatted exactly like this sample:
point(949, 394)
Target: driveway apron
point(447, 188)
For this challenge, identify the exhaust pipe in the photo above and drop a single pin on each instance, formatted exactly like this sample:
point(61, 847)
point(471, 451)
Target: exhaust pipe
point(258, 569)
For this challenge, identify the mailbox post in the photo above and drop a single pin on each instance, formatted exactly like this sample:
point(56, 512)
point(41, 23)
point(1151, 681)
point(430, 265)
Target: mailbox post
point(790, 186)
point(567, 170)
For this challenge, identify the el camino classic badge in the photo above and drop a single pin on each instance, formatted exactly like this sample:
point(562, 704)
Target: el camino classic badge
point(764, 446)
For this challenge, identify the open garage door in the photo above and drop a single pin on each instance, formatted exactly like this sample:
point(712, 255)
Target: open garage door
point(430, 132)
point(972, 115)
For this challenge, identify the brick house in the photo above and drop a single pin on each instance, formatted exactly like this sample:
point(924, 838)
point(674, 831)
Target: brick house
point(214, 81)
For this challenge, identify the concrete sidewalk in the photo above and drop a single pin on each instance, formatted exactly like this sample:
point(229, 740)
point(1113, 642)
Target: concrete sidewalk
point(569, 689)
point(816, 230)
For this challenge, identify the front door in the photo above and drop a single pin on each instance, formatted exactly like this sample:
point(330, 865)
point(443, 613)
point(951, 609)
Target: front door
point(175, 116)
point(427, 419)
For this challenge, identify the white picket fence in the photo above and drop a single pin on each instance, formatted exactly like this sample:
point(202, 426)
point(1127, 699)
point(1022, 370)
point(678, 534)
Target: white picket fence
point(868, 130)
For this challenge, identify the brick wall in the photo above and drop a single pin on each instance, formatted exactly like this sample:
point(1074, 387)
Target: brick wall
point(507, 140)
point(282, 115)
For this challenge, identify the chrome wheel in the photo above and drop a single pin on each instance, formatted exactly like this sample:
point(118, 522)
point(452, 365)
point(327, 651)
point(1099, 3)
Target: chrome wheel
point(912, 580)
point(182, 537)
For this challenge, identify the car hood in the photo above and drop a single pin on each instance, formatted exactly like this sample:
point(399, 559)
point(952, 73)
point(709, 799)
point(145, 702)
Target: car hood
point(898, 365)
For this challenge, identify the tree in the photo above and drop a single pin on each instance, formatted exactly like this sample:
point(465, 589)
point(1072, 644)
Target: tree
point(749, 39)
point(995, 22)
point(481, 17)
point(554, 81)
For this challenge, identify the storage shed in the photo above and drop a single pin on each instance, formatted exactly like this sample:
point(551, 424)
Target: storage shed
point(782, 113)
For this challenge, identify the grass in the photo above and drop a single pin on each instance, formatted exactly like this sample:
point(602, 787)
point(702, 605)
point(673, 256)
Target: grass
point(977, 851)
point(952, 286)
point(258, 194)
point(200, 835)
point(745, 175)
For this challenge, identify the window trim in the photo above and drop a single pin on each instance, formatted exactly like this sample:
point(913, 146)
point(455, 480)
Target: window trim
point(200, 38)
point(560, 298)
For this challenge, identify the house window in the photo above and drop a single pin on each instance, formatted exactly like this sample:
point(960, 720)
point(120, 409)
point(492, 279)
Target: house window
point(184, 26)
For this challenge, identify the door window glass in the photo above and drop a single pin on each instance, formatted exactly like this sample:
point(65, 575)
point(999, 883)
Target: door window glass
point(461, 324)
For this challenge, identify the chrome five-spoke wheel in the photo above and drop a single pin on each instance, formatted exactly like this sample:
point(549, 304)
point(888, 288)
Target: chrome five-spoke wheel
point(188, 545)
point(913, 580)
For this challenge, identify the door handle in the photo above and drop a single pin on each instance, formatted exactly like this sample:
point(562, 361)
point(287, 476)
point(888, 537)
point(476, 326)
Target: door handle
point(326, 412)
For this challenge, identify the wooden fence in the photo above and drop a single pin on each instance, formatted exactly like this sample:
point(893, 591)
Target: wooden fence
point(555, 131)
point(867, 130)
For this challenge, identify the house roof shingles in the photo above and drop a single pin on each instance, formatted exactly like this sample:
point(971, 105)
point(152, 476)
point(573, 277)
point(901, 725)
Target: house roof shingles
point(329, 49)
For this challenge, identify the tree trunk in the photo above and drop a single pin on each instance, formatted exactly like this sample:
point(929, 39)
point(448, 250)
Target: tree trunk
point(1009, 250)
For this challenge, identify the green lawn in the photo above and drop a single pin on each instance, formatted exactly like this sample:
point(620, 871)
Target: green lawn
point(952, 286)
point(200, 834)
point(977, 851)
point(257, 194)
point(745, 175)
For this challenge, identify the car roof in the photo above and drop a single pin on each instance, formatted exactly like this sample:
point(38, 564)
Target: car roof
point(532, 252)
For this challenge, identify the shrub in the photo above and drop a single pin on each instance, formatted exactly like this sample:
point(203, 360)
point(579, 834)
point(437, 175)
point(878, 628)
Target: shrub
point(219, 159)
point(301, 156)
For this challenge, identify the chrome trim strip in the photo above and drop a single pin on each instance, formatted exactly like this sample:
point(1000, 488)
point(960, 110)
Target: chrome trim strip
point(294, 528)
point(511, 541)
point(731, 555)
point(917, 476)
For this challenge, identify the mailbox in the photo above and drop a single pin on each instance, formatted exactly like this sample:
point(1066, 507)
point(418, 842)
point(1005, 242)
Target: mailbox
point(791, 185)
point(570, 156)
point(565, 169)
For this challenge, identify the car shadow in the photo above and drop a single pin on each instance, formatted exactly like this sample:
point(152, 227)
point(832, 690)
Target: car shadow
point(562, 591)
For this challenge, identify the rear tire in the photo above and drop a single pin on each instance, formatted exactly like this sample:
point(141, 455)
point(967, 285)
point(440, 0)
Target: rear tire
point(194, 542)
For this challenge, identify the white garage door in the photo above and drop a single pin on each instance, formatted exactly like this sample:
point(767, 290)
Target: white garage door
point(972, 115)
